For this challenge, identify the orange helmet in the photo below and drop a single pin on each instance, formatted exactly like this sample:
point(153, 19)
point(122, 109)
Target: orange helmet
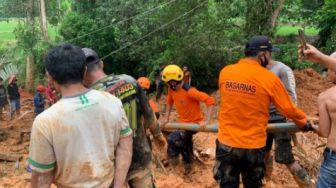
point(40, 88)
point(144, 82)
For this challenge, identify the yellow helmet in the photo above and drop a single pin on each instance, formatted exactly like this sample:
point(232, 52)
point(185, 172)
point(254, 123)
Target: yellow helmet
point(144, 82)
point(172, 72)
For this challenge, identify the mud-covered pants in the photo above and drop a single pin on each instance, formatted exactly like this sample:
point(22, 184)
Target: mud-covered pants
point(231, 162)
point(180, 142)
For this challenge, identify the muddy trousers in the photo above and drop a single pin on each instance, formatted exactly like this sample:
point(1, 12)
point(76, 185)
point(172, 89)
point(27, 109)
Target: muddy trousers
point(180, 142)
point(232, 162)
point(141, 178)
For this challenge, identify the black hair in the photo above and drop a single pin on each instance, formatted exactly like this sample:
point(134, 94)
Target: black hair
point(65, 64)
point(93, 66)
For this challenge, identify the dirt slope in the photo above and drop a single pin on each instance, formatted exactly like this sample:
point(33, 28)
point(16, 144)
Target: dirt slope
point(309, 85)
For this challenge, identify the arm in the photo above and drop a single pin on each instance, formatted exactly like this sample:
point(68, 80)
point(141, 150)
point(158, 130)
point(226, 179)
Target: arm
point(41, 155)
point(314, 55)
point(324, 119)
point(124, 151)
point(42, 180)
point(283, 103)
point(123, 160)
point(203, 97)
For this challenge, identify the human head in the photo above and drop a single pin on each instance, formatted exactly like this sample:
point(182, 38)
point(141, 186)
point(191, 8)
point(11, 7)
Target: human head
point(173, 75)
point(332, 74)
point(260, 47)
point(40, 88)
point(144, 83)
point(185, 67)
point(65, 65)
point(92, 64)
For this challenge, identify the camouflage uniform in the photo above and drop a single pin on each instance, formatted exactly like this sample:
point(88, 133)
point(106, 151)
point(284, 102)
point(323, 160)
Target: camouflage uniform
point(140, 117)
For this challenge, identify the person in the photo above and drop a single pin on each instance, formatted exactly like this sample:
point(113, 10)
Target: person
point(246, 90)
point(39, 100)
point(186, 100)
point(84, 139)
point(310, 53)
point(327, 129)
point(3, 97)
point(139, 114)
point(159, 86)
point(144, 83)
point(283, 148)
point(186, 74)
point(51, 94)
point(14, 96)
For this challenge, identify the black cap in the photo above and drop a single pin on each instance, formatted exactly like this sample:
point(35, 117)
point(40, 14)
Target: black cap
point(260, 43)
point(91, 55)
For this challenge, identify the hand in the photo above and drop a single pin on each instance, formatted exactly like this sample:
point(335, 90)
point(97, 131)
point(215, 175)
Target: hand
point(203, 124)
point(310, 54)
point(308, 126)
point(160, 141)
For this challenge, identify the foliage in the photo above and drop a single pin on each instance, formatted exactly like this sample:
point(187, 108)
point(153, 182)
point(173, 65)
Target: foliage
point(289, 56)
point(327, 25)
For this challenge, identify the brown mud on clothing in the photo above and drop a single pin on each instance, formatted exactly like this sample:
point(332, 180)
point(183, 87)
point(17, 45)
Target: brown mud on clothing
point(309, 85)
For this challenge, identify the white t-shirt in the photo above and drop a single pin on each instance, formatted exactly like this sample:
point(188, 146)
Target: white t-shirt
point(78, 136)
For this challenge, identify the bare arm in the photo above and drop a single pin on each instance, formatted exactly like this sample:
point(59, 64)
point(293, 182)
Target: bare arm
point(314, 55)
point(123, 160)
point(42, 180)
point(209, 113)
point(324, 118)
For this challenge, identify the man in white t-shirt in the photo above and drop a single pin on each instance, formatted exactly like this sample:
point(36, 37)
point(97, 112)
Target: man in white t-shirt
point(85, 136)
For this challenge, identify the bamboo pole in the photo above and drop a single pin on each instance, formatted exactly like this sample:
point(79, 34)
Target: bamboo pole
point(271, 128)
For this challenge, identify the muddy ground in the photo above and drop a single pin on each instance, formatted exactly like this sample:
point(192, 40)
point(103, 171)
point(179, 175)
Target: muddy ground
point(309, 85)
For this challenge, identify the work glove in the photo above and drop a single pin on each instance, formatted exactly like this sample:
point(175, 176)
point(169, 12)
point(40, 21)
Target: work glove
point(308, 127)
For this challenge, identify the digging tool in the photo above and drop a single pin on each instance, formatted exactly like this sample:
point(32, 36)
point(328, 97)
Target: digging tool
point(271, 128)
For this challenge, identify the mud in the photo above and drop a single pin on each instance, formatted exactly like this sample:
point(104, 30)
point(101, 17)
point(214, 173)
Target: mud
point(309, 85)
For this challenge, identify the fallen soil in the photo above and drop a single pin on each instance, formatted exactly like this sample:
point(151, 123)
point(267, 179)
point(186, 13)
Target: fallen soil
point(15, 141)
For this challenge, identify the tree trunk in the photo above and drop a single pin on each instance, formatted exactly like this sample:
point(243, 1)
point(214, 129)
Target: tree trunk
point(30, 72)
point(277, 12)
point(30, 58)
point(43, 15)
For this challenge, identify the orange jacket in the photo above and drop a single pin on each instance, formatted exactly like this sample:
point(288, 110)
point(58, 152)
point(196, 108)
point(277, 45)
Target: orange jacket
point(187, 103)
point(246, 90)
point(153, 105)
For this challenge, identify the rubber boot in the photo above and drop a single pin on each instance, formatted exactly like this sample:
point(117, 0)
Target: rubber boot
point(302, 178)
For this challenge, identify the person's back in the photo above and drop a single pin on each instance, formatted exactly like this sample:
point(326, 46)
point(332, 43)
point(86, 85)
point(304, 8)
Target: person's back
point(79, 141)
point(127, 90)
point(83, 130)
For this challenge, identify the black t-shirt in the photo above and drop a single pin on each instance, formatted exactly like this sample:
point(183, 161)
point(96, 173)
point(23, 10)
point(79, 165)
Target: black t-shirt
point(13, 91)
point(136, 107)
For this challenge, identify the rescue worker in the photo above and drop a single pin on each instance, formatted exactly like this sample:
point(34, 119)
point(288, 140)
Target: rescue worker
point(138, 111)
point(246, 89)
point(283, 148)
point(39, 99)
point(187, 103)
point(144, 83)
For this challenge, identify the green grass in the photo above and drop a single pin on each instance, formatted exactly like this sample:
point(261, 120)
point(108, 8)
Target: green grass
point(286, 30)
point(7, 32)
